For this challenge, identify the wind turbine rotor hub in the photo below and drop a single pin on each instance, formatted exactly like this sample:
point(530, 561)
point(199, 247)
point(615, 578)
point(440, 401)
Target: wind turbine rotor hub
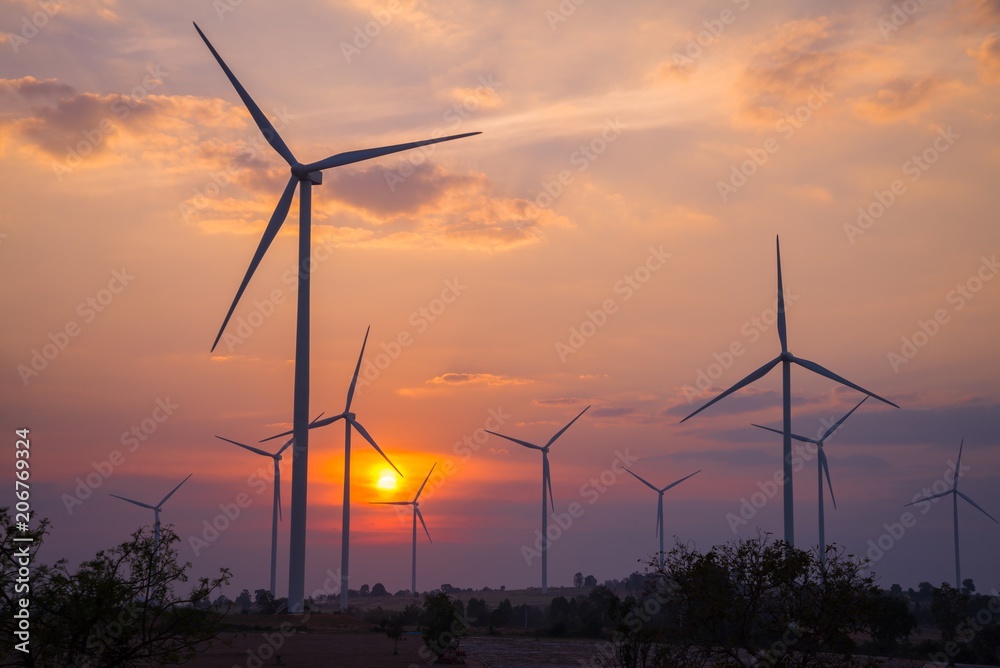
point(350, 416)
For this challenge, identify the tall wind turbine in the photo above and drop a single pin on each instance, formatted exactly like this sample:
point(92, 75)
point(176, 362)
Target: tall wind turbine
point(786, 359)
point(350, 420)
point(546, 491)
point(156, 510)
point(659, 502)
point(821, 467)
point(276, 505)
point(416, 513)
point(303, 175)
point(955, 494)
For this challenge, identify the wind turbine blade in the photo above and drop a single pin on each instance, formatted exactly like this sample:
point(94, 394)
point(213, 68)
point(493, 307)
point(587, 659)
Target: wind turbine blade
point(928, 498)
point(312, 425)
point(516, 440)
point(801, 439)
point(290, 441)
point(357, 369)
point(160, 504)
point(270, 134)
point(560, 432)
point(349, 157)
point(271, 231)
point(674, 484)
point(420, 515)
point(277, 486)
point(659, 513)
point(958, 465)
point(138, 503)
point(826, 469)
point(391, 503)
point(246, 447)
point(424, 482)
point(782, 326)
point(364, 434)
point(976, 506)
point(642, 480)
point(823, 371)
point(547, 478)
point(841, 420)
point(756, 375)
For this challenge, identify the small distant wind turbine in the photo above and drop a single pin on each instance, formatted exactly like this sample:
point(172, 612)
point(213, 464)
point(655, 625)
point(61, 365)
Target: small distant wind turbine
point(156, 511)
point(546, 491)
point(276, 505)
point(416, 513)
point(350, 420)
point(302, 176)
point(821, 467)
point(659, 502)
point(786, 359)
point(955, 494)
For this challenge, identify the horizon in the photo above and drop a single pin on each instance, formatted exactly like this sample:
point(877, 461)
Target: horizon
point(608, 241)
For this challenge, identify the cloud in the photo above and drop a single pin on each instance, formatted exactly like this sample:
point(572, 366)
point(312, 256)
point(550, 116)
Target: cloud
point(987, 57)
point(460, 380)
point(559, 401)
point(612, 411)
point(786, 67)
point(899, 98)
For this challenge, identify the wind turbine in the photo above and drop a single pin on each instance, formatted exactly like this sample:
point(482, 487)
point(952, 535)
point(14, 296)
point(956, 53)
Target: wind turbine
point(955, 494)
point(304, 176)
point(546, 487)
point(786, 359)
point(276, 506)
point(156, 510)
point(350, 420)
point(416, 513)
point(821, 467)
point(659, 502)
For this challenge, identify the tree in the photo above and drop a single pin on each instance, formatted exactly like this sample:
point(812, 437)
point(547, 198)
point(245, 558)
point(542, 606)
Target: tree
point(394, 631)
point(757, 600)
point(968, 586)
point(590, 581)
point(243, 601)
point(118, 609)
point(365, 590)
point(442, 625)
point(578, 580)
point(379, 590)
point(264, 600)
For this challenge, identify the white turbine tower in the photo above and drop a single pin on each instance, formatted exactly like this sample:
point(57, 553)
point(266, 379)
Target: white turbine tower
point(302, 176)
point(156, 510)
point(546, 491)
point(659, 502)
point(276, 505)
point(955, 494)
point(416, 513)
point(822, 467)
point(350, 420)
point(786, 359)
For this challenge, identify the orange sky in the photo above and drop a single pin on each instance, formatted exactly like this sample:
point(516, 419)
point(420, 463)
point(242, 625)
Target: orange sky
point(607, 240)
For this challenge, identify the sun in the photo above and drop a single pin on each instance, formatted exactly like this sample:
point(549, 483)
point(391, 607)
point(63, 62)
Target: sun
point(387, 481)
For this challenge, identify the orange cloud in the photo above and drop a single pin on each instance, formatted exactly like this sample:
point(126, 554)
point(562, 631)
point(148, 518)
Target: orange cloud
point(987, 56)
point(899, 98)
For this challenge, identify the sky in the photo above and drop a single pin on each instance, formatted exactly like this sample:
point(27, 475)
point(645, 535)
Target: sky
point(607, 241)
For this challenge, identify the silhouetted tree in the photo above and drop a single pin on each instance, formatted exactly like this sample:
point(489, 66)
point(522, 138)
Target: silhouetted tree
point(379, 590)
point(590, 581)
point(578, 580)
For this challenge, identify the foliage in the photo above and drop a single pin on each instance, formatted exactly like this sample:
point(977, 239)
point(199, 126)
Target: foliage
point(442, 625)
point(758, 600)
point(118, 609)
